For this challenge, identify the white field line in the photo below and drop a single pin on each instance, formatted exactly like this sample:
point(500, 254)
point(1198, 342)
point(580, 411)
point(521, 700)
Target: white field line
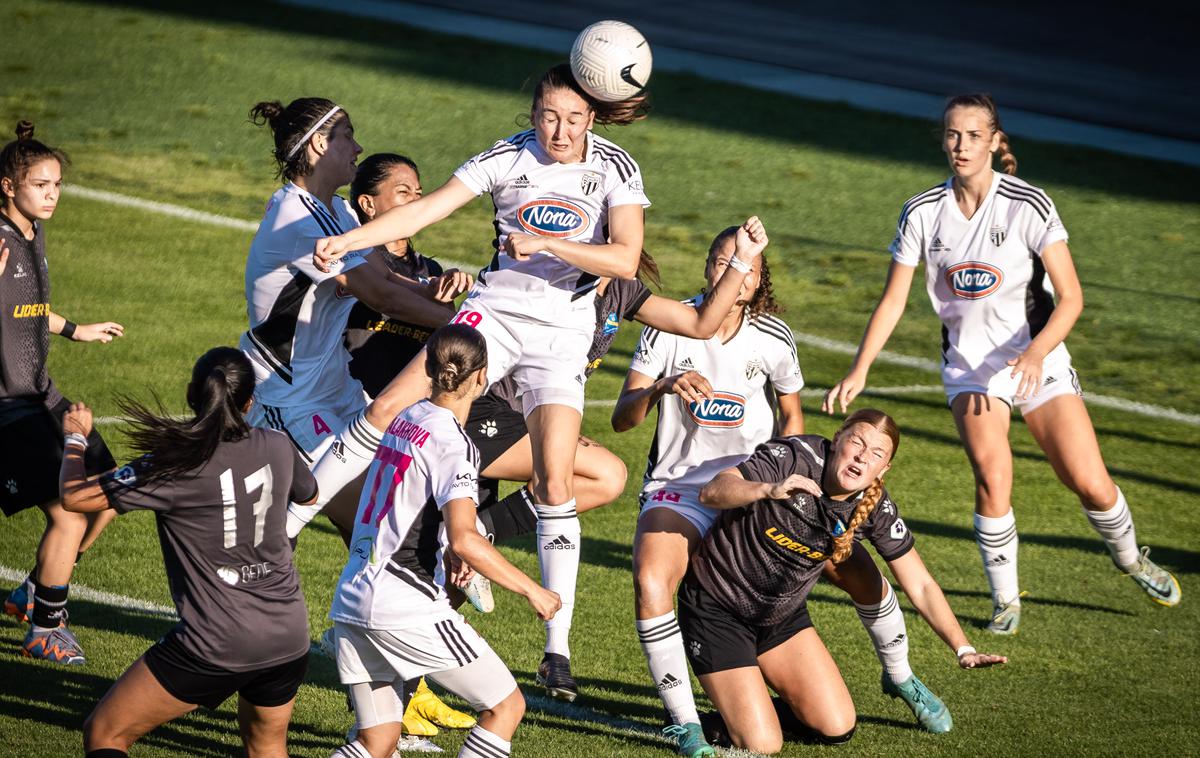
point(80, 592)
point(812, 340)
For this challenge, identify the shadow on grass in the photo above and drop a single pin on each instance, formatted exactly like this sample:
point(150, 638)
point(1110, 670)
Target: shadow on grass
point(384, 46)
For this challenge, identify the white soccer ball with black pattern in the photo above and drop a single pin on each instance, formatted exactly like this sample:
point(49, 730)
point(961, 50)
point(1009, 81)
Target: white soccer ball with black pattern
point(611, 61)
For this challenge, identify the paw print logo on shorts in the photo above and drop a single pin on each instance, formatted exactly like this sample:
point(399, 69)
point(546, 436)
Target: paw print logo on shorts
point(694, 645)
point(12, 486)
point(488, 428)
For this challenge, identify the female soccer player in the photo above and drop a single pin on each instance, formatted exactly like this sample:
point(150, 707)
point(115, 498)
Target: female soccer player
point(297, 312)
point(569, 208)
point(990, 242)
point(713, 408)
point(219, 490)
point(31, 407)
point(392, 618)
point(793, 504)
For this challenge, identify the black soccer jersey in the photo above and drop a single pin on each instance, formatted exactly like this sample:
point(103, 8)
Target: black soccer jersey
point(227, 555)
point(761, 560)
point(380, 347)
point(24, 324)
point(621, 300)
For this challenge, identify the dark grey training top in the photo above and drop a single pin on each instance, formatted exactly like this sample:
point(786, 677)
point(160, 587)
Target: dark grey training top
point(761, 560)
point(226, 551)
point(24, 324)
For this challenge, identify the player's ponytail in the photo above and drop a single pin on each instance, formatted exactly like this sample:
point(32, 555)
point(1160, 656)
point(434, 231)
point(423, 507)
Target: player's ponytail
point(452, 355)
point(647, 270)
point(984, 101)
point(844, 543)
point(619, 113)
point(222, 385)
point(20, 155)
point(294, 125)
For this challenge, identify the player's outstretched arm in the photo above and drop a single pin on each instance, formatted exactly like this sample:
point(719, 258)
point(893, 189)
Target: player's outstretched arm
point(395, 299)
point(641, 393)
point(729, 489)
point(883, 321)
point(400, 222)
point(701, 322)
point(104, 331)
point(478, 553)
point(927, 597)
point(79, 493)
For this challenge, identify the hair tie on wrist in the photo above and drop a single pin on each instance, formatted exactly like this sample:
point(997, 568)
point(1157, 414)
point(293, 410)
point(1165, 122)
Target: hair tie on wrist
point(68, 330)
point(964, 650)
point(75, 439)
point(738, 264)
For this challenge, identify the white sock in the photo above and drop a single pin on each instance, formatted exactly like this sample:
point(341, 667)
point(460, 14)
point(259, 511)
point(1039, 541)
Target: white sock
point(884, 622)
point(348, 456)
point(481, 743)
point(662, 643)
point(997, 540)
point(351, 750)
point(558, 533)
point(1116, 527)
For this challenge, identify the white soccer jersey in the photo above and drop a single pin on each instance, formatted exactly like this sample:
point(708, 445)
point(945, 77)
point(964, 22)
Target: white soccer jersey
point(297, 315)
point(694, 442)
point(394, 578)
point(984, 274)
point(535, 194)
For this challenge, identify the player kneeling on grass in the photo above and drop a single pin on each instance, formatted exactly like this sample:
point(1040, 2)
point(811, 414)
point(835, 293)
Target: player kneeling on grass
point(793, 504)
point(219, 490)
point(393, 621)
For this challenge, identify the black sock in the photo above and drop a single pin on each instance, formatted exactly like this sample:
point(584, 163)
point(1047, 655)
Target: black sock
point(106, 752)
point(49, 605)
point(510, 517)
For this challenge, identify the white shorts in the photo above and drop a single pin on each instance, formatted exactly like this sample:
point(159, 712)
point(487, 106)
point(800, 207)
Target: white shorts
point(684, 502)
point(450, 652)
point(311, 427)
point(545, 361)
point(1058, 378)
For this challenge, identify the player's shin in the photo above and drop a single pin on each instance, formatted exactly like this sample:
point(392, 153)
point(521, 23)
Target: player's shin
point(348, 456)
point(558, 533)
point(997, 540)
point(662, 643)
point(1115, 526)
point(884, 622)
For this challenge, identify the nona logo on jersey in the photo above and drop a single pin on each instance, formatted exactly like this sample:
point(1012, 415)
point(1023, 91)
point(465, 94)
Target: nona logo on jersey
point(723, 409)
point(972, 280)
point(551, 217)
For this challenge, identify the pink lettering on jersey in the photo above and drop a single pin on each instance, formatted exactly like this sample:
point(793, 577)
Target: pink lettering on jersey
point(398, 462)
point(319, 425)
point(407, 430)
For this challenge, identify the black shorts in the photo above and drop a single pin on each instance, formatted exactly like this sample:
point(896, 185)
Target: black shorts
point(193, 681)
point(717, 640)
point(494, 427)
point(31, 452)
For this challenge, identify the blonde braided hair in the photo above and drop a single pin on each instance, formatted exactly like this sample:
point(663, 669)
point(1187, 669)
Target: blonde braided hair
point(844, 542)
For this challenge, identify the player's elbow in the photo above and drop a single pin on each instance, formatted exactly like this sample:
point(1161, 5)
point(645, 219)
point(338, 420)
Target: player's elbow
point(709, 492)
point(622, 420)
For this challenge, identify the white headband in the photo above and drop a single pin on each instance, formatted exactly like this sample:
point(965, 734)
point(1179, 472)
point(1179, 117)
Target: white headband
point(308, 135)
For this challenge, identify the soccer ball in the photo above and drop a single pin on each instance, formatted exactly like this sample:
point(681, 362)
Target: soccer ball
point(611, 61)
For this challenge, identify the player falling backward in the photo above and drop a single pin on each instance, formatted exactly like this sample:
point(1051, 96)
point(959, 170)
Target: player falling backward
point(393, 621)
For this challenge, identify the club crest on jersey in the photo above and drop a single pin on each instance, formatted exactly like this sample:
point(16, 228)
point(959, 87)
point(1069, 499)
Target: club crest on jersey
point(611, 324)
point(724, 409)
point(754, 367)
point(552, 218)
point(997, 235)
point(590, 182)
point(974, 280)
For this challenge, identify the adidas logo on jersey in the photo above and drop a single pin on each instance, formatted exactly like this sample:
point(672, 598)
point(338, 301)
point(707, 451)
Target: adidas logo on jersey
point(559, 543)
point(936, 246)
point(669, 681)
point(522, 182)
point(685, 365)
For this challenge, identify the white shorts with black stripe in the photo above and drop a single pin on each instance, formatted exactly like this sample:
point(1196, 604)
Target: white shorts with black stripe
point(449, 651)
point(311, 428)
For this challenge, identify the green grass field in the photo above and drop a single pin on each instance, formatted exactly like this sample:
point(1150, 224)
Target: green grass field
point(151, 101)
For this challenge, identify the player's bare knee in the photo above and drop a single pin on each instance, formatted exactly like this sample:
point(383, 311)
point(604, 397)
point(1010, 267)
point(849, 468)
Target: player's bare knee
point(1096, 494)
point(766, 743)
point(552, 490)
point(653, 593)
point(512, 708)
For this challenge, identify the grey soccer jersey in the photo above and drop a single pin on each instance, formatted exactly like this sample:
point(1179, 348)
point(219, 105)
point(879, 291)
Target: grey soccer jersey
point(621, 300)
point(227, 556)
point(24, 323)
point(762, 560)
